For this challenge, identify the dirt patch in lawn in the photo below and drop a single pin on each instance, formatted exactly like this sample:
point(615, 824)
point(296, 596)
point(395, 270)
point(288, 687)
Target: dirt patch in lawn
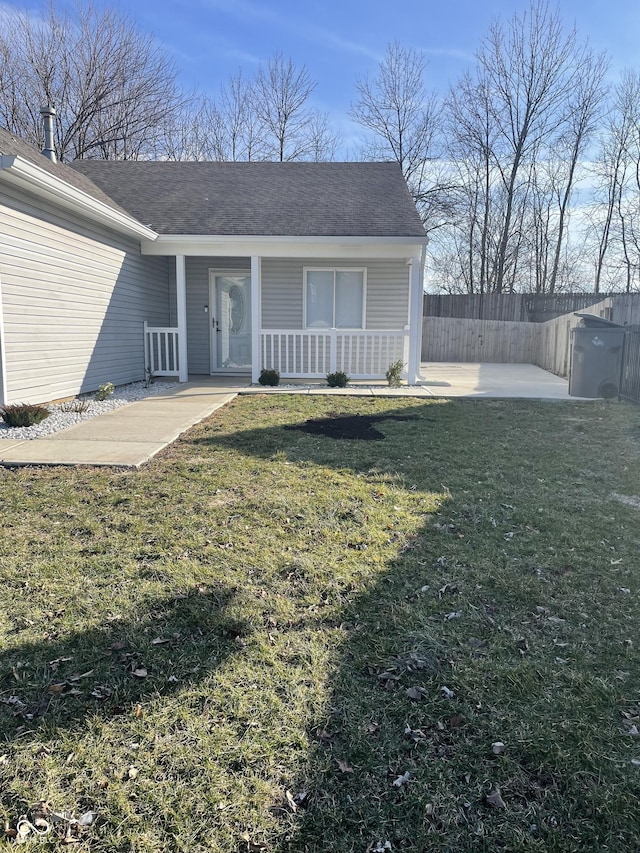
point(358, 427)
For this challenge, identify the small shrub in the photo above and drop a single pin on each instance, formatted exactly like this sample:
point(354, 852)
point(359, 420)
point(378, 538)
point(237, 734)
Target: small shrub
point(23, 414)
point(339, 379)
point(105, 391)
point(76, 407)
point(393, 374)
point(269, 377)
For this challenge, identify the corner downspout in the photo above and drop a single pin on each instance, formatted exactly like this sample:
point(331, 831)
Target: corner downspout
point(3, 359)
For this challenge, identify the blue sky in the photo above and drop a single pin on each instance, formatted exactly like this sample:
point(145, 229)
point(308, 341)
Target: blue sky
point(339, 40)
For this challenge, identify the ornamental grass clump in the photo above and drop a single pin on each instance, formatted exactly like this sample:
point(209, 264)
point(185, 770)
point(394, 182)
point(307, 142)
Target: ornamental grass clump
point(23, 414)
point(393, 374)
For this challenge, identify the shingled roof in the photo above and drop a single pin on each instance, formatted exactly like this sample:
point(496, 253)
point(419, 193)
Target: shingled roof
point(14, 146)
point(261, 199)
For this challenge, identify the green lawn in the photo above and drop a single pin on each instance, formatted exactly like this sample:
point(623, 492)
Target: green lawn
point(269, 639)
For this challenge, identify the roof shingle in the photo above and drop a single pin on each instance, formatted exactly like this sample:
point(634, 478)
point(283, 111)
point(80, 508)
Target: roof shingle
point(261, 198)
point(13, 145)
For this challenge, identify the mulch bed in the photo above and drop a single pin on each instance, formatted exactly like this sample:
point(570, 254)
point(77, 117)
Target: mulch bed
point(357, 427)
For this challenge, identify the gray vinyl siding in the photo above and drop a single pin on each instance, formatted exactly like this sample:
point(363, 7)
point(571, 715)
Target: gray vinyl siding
point(74, 298)
point(387, 305)
point(197, 272)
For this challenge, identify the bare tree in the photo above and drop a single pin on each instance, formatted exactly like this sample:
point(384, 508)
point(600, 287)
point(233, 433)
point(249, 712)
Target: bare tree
point(616, 218)
point(517, 131)
point(290, 128)
point(113, 88)
point(401, 118)
point(533, 70)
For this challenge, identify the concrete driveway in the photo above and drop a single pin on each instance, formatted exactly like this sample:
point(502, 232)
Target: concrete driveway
point(525, 381)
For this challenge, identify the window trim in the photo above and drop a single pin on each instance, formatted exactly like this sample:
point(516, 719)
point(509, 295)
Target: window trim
point(334, 270)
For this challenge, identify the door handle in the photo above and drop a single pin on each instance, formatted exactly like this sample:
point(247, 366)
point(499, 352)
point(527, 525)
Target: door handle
point(215, 325)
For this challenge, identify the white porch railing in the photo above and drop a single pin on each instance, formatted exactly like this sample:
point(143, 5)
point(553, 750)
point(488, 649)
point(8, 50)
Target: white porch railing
point(161, 351)
point(308, 353)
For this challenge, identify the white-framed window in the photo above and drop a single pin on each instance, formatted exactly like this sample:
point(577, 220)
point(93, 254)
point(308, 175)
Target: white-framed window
point(334, 298)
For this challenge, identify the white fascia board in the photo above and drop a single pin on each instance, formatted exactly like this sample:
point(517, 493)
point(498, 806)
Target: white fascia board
point(289, 247)
point(31, 177)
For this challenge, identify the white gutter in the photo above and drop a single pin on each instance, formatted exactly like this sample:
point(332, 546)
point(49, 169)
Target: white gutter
point(282, 246)
point(269, 238)
point(41, 182)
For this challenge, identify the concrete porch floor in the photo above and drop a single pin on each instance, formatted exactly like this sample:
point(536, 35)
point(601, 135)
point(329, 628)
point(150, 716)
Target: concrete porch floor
point(131, 435)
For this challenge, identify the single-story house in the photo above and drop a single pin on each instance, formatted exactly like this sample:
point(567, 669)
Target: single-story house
point(109, 269)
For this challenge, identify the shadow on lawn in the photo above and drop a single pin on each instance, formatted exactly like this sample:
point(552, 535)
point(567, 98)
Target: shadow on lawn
point(435, 667)
point(109, 669)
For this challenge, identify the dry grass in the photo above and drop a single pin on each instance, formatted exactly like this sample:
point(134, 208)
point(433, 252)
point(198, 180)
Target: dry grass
point(214, 653)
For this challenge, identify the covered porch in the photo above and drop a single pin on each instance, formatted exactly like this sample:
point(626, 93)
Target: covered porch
point(305, 310)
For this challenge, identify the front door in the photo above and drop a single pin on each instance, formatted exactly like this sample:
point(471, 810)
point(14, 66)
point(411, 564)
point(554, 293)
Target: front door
point(230, 298)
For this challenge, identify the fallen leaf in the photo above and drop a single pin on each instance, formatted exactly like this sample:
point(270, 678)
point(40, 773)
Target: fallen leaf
point(139, 672)
point(372, 728)
point(86, 819)
point(325, 737)
point(388, 676)
point(456, 614)
point(159, 641)
point(77, 677)
point(253, 846)
point(495, 799)
point(447, 693)
point(56, 689)
point(101, 692)
point(291, 801)
point(498, 747)
point(132, 772)
point(138, 711)
point(344, 766)
point(456, 721)
point(401, 780)
point(416, 693)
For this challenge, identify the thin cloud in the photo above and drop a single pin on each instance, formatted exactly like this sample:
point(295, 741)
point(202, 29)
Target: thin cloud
point(243, 10)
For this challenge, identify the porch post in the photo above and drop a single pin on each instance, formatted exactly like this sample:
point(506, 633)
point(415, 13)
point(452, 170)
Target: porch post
point(181, 316)
point(256, 315)
point(416, 297)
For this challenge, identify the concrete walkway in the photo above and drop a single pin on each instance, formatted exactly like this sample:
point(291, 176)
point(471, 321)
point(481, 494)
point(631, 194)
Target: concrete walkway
point(128, 436)
point(131, 435)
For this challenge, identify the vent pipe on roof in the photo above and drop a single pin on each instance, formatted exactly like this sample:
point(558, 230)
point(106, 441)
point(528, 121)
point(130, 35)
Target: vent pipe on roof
point(48, 114)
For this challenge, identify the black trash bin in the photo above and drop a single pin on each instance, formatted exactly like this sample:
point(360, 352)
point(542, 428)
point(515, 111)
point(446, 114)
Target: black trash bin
point(596, 357)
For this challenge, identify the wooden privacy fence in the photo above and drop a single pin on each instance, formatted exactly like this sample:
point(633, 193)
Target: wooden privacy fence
point(514, 307)
point(547, 345)
point(492, 341)
point(630, 374)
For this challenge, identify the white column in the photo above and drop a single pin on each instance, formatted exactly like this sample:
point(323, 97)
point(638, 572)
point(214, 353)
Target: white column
point(416, 297)
point(256, 314)
point(181, 315)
